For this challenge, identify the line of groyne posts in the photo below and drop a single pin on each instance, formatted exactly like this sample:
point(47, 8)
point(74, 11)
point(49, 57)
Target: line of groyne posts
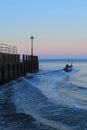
point(12, 67)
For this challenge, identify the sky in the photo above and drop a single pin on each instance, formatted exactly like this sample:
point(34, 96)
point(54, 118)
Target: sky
point(59, 27)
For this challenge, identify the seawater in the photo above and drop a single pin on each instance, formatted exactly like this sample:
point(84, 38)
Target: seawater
point(54, 98)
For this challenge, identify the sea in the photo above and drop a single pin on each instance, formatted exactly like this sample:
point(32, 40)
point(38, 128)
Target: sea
point(50, 99)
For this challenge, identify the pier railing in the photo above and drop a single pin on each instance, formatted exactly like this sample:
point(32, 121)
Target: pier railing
point(8, 49)
point(10, 65)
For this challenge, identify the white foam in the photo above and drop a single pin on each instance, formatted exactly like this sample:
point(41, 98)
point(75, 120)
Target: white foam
point(45, 72)
point(26, 98)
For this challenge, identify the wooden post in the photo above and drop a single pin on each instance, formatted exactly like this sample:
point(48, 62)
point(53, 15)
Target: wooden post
point(0, 75)
point(14, 71)
point(9, 76)
point(23, 58)
point(3, 73)
point(18, 69)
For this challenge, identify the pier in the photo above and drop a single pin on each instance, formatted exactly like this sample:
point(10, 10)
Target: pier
point(11, 66)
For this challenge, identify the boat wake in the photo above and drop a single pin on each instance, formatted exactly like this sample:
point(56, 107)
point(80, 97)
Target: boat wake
point(59, 73)
point(30, 100)
point(46, 98)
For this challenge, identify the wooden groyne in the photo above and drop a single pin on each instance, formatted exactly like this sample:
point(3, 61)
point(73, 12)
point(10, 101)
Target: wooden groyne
point(11, 66)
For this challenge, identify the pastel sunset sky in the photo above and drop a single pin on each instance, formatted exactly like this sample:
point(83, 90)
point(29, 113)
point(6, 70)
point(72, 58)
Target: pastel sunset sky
point(59, 27)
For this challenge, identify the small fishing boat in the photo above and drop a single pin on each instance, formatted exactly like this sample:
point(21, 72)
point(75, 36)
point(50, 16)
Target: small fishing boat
point(68, 68)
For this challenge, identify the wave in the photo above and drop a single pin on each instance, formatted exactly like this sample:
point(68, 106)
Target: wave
point(50, 99)
point(57, 75)
point(54, 84)
point(30, 100)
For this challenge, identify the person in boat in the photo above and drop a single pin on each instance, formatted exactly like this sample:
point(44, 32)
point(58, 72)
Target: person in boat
point(68, 67)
